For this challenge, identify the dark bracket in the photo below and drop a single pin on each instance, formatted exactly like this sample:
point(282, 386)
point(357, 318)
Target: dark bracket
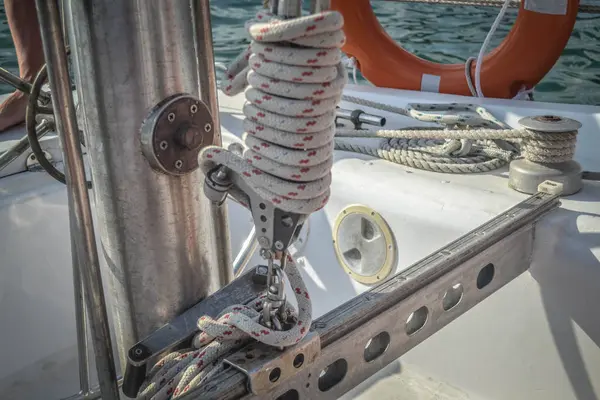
point(179, 332)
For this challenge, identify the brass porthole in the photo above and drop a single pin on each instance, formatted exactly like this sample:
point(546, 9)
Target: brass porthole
point(364, 244)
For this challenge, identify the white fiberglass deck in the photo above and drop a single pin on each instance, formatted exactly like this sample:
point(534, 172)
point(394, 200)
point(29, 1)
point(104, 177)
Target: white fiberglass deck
point(538, 338)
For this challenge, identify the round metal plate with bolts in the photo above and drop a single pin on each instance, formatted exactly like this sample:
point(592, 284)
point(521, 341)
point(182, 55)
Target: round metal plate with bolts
point(174, 132)
point(525, 176)
point(550, 123)
point(364, 244)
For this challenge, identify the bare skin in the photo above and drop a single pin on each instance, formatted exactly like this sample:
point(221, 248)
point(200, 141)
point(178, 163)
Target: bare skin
point(23, 23)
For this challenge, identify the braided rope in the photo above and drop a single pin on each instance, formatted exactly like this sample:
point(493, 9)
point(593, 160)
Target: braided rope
point(179, 372)
point(296, 80)
point(428, 149)
point(456, 151)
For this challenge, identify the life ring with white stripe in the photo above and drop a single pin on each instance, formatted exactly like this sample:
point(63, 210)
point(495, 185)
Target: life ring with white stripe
point(526, 55)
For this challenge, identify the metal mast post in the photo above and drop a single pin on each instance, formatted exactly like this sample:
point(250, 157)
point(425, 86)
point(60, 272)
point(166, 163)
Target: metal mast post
point(83, 244)
point(158, 232)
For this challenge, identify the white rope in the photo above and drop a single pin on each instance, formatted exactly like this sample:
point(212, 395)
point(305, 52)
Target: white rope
point(350, 63)
point(461, 150)
point(476, 90)
point(179, 372)
point(485, 45)
point(220, 66)
point(296, 80)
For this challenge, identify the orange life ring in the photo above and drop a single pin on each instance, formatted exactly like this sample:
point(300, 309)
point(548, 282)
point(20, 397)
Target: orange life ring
point(528, 52)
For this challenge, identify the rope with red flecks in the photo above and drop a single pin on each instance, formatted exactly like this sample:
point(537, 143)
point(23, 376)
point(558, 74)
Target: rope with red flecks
point(179, 372)
point(296, 79)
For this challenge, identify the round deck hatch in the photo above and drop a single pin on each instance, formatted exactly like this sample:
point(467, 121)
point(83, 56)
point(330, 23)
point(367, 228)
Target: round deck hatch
point(364, 244)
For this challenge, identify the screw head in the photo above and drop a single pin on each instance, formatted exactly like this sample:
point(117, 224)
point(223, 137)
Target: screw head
point(265, 253)
point(262, 269)
point(287, 221)
point(263, 241)
point(194, 109)
point(178, 164)
point(279, 245)
point(171, 117)
point(163, 145)
point(137, 351)
point(236, 148)
point(207, 127)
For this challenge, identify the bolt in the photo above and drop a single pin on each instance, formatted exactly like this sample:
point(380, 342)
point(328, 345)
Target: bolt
point(262, 269)
point(194, 108)
point(260, 275)
point(137, 351)
point(163, 145)
point(279, 245)
point(207, 127)
point(236, 148)
point(263, 241)
point(287, 221)
point(171, 117)
point(178, 164)
point(266, 254)
point(189, 138)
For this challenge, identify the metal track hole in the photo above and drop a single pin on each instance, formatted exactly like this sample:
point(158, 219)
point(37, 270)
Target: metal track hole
point(376, 346)
point(275, 374)
point(452, 297)
point(485, 276)
point(291, 394)
point(333, 374)
point(298, 360)
point(416, 320)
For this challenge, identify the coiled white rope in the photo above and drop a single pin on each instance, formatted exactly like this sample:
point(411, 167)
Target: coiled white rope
point(457, 150)
point(296, 80)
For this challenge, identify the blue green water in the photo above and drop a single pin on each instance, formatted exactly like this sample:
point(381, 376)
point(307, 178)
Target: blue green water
point(448, 34)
